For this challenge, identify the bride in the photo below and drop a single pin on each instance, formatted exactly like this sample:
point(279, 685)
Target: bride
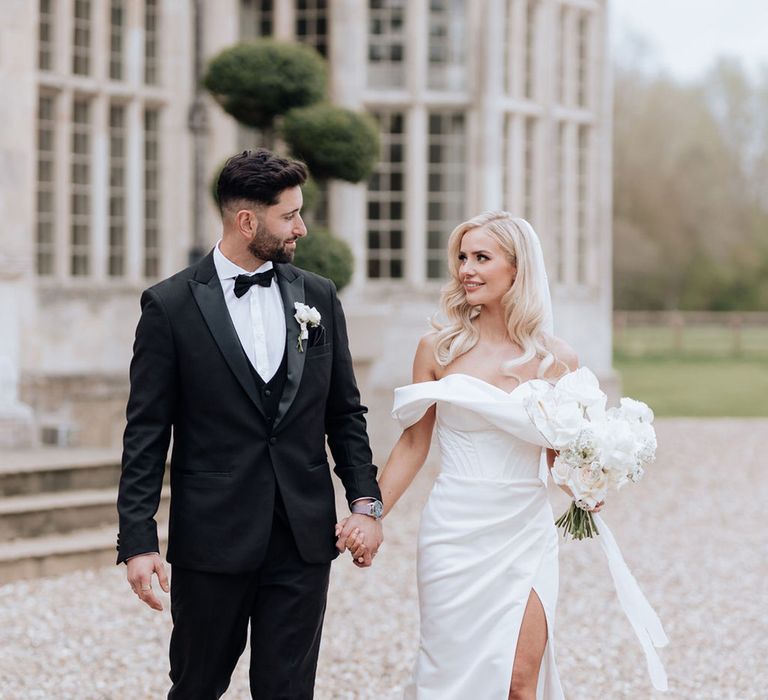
point(487, 546)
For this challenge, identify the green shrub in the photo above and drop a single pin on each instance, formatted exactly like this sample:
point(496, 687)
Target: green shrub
point(259, 80)
point(311, 193)
point(332, 141)
point(326, 255)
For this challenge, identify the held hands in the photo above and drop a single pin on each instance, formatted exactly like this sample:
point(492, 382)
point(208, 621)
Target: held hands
point(362, 535)
point(140, 570)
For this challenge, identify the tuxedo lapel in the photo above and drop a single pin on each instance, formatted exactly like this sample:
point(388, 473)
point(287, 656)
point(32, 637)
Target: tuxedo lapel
point(206, 289)
point(291, 290)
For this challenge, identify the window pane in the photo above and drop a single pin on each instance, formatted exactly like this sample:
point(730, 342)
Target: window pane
point(582, 60)
point(45, 46)
point(151, 39)
point(582, 204)
point(447, 45)
point(386, 202)
point(311, 27)
point(116, 39)
point(117, 191)
point(151, 193)
point(80, 192)
point(81, 41)
point(386, 43)
point(256, 19)
point(446, 186)
point(45, 185)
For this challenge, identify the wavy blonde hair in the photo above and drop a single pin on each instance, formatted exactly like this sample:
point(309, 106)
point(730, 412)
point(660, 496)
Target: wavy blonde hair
point(525, 313)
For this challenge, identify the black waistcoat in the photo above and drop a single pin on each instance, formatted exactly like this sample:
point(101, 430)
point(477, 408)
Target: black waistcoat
point(271, 392)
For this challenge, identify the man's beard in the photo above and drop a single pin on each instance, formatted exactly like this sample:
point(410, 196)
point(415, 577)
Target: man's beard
point(266, 246)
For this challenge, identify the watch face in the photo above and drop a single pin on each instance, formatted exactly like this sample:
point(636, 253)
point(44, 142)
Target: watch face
point(377, 508)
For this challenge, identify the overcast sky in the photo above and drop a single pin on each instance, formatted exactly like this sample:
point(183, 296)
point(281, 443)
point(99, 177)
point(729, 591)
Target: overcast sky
point(686, 35)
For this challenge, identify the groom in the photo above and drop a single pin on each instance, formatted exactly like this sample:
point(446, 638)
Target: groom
point(250, 394)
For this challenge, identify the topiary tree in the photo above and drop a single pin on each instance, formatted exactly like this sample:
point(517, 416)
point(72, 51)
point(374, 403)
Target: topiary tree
point(257, 81)
point(276, 87)
point(326, 255)
point(332, 141)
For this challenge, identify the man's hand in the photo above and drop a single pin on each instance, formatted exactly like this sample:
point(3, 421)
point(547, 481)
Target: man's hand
point(140, 570)
point(365, 543)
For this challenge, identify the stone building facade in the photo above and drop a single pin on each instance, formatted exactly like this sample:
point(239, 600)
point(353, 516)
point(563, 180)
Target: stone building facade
point(487, 104)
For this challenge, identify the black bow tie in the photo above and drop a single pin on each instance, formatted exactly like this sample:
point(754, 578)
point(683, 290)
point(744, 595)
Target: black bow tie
point(244, 282)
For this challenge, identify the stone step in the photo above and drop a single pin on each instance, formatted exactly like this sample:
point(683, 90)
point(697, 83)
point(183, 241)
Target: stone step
point(39, 515)
point(58, 554)
point(51, 470)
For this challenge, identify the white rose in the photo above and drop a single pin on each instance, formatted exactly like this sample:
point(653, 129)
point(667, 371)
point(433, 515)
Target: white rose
point(561, 470)
point(588, 485)
point(617, 445)
point(566, 422)
point(636, 410)
point(313, 317)
point(582, 386)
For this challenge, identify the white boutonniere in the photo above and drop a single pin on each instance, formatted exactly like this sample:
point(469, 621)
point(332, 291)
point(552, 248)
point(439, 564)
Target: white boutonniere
point(308, 317)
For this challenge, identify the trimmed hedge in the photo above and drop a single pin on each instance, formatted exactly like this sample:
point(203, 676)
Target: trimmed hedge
point(258, 80)
point(334, 142)
point(326, 255)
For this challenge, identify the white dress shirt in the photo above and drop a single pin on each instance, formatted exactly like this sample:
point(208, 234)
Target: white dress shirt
point(258, 315)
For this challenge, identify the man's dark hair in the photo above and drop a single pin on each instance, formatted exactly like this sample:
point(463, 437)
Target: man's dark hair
point(258, 176)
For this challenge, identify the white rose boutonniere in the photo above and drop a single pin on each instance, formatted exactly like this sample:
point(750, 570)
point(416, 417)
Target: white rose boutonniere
point(308, 317)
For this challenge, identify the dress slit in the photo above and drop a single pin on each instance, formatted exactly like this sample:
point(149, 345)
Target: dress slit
point(548, 683)
point(520, 629)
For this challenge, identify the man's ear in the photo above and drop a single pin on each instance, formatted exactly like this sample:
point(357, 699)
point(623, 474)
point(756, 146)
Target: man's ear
point(245, 223)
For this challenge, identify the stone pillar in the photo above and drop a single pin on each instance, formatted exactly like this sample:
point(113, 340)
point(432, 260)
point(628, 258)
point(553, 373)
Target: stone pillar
point(134, 146)
point(284, 27)
point(347, 58)
point(602, 94)
point(221, 30)
point(416, 144)
point(487, 116)
point(17, 425)
point(18, 77)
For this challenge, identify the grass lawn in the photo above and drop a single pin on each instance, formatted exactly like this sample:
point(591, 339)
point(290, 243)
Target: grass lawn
point(697, 386)
point(712, 341)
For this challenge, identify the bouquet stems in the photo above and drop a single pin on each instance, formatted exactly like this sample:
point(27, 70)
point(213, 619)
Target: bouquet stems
point(577, 523)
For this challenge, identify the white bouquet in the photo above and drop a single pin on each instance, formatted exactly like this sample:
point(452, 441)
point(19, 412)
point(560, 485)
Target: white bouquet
point(598, 449)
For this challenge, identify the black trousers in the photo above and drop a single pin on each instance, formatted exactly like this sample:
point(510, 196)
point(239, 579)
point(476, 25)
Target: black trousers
point(284, 601)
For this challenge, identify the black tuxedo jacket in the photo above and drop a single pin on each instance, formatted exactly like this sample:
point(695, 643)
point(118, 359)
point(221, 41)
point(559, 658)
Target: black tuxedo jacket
point(191, 377)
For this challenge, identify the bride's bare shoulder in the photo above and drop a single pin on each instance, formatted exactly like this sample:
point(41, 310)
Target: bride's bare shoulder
point(564, 353)
point(425, 367)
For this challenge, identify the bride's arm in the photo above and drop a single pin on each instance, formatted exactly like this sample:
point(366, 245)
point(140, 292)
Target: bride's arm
point(411, 449)
point(405, 460)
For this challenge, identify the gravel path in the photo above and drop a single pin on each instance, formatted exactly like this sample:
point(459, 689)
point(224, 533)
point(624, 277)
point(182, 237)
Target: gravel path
point(692, 532)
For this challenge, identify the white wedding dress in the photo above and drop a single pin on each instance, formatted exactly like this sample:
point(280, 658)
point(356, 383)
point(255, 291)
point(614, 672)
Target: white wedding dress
point(487, 539)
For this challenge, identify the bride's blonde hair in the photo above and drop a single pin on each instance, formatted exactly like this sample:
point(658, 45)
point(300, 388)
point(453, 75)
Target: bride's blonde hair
point(524, 309)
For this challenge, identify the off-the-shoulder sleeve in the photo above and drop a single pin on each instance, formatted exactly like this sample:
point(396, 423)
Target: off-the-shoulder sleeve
point(501, 409)
point(413, 401)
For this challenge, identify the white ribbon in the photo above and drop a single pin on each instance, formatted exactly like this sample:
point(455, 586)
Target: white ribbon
point(638, 610)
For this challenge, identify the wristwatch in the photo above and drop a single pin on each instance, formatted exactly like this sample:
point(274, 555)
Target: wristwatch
point(373, 508)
